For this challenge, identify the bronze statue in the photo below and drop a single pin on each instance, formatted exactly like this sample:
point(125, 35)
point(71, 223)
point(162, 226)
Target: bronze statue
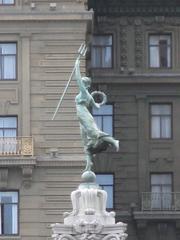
point(93, 138)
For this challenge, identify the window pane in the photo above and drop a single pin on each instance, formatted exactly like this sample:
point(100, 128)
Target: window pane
point(154, 39)
point(10, 133)
point(102, 40)
point(108, 125)
point(8, 60)
point(155, 127)
point(110, 197)
point(9, 67)
point(104, 109)
point(166, 127)
point(98, 120)
point(96, 57)
point(154, 57)
point(13, 196)
point(9, 217)
point(106, 57)
point(104, 118)
point(160, 51)
point(10, 122)
point(161, 188)
point(101, 51)
point(1, 122)
point(104, 179)
point(161, 179)
point(8, 1)
point(161, 109)
point(8, 48)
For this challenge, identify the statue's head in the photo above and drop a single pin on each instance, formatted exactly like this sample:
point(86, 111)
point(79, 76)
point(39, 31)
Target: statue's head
point(87, 82)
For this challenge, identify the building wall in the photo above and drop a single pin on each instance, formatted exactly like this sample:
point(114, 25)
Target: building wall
point(132, 86)
point(48, 35)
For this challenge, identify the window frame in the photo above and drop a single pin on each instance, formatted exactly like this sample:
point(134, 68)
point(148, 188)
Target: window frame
point(9, 116)
point(113, 186)
point(112, 51)
point(18, 211)
point(109, 115)
point(7, 4)
point(16, 60)
point(149, 46)
point(172, 185)
point(150, 121)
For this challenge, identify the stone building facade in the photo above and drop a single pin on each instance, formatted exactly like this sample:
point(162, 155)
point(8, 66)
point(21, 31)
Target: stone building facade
point(40, 159)
point(135, 59)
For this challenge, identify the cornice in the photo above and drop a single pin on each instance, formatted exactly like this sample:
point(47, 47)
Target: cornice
point(163, 215)
point(60, 16)
point(116, 11)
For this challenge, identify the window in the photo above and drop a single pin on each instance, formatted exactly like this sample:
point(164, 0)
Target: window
point(160, 51)
point(104, 118)
point(161, 191)
point(161, 121)
point(8, 213)
point(101, 54)
point(106, 182)
point(8, 133)
point(6, 2)
point(7, 61)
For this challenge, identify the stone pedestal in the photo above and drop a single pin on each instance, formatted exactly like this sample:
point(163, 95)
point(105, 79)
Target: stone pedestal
point(89, 218)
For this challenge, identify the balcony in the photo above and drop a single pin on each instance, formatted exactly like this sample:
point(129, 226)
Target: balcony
point(16, 146)
point(169, 201)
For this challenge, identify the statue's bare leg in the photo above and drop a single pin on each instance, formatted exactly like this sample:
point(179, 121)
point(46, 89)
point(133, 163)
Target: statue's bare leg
point(89, 163)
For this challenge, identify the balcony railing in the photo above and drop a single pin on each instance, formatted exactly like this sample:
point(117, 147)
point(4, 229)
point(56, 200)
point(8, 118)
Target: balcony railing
point(15, 146)
point(169, 201)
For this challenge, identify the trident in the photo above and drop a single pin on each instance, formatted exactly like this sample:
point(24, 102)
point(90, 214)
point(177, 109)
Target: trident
point(81, 53)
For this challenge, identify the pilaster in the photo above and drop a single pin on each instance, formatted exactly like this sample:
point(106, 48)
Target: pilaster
point(141, 103)
point(25, 84)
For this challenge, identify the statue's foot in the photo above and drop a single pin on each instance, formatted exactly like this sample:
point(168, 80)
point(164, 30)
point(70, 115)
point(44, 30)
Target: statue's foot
point(117, 145)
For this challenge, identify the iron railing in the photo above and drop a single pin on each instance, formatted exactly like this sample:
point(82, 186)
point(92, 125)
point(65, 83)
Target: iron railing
point(159, 201)
point(14, 146)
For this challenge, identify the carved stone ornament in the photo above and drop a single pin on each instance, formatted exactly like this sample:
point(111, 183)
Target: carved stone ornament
point(27, 176)
point(89, 218)
point(123, 46)
point(138, 46)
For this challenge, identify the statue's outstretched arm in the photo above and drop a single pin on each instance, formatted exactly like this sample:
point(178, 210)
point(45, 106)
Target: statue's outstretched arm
point(77, 75)
point(94, 104)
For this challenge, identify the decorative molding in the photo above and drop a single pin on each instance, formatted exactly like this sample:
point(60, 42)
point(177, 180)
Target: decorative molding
point(11, 161)
point(9, 95)
point(138, 44)
point(27, 176)
point(123, 47)
point(3, 177)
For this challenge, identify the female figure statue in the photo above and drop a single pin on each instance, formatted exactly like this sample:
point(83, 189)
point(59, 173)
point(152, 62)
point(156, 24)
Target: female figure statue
point(94, 139)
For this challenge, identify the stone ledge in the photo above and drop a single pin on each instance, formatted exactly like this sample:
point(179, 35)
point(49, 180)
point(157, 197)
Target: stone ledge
point(10, 238)
point(83, 16)
point(11, 161)
point(157, 215)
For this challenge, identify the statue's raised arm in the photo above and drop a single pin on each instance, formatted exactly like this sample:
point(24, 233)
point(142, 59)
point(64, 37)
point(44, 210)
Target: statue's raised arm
point(93, 138)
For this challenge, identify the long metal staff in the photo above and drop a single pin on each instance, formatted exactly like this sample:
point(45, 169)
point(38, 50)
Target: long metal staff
point(81, 53)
